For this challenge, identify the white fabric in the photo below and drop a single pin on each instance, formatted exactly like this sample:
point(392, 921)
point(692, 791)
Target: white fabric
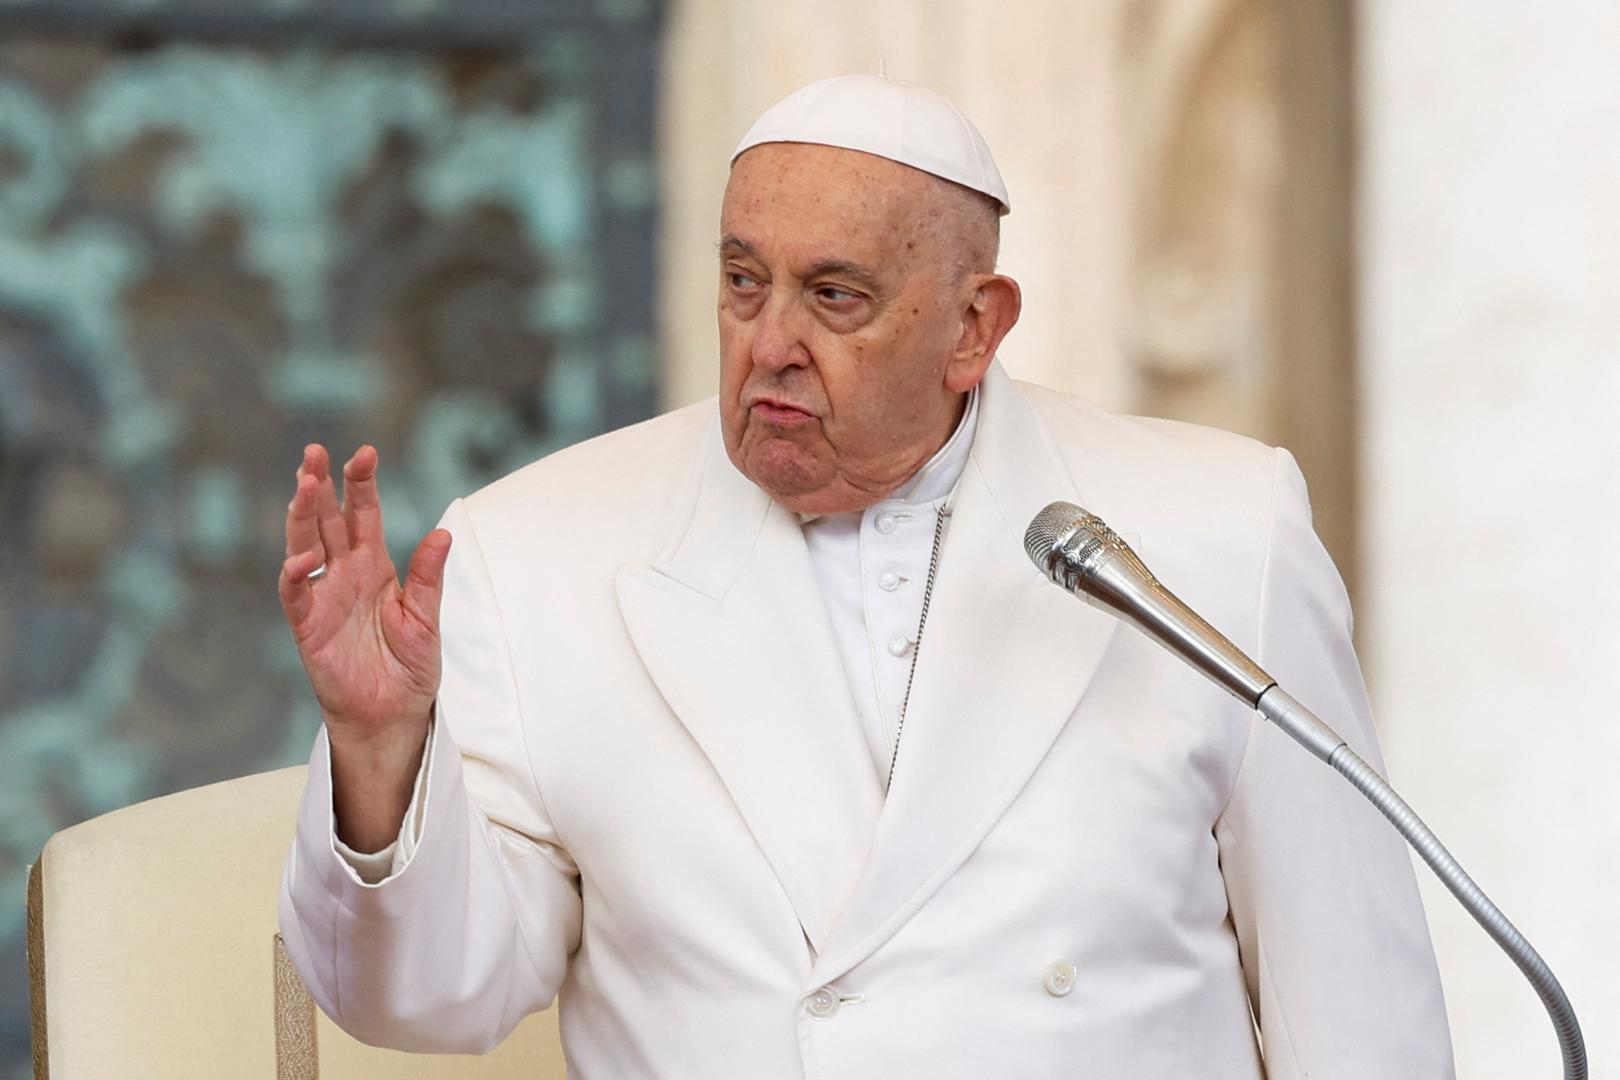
point(898, 120)
point(651, 794)
point(872, 567)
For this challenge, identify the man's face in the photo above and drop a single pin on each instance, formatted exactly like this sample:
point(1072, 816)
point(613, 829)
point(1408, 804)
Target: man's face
point(841, 299)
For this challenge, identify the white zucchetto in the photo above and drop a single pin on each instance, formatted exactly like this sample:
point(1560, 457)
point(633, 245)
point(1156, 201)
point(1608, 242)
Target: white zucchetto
point(897, 120)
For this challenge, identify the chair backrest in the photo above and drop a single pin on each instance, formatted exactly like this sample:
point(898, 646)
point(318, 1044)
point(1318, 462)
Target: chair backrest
point(152, 952)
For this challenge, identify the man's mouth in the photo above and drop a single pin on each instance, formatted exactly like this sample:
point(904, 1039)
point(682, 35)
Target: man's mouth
point(779, 412)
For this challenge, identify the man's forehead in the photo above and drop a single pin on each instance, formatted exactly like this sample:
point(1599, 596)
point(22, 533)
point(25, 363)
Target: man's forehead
point(811, 208)
point(822, 205)
point(826, 186)
point(815, 165)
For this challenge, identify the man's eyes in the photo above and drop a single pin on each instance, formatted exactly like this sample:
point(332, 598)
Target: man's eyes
point(833, 294)
point(742, 282)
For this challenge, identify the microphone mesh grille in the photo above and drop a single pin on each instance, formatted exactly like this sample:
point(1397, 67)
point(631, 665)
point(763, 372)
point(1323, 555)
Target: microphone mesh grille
point(1048, 528)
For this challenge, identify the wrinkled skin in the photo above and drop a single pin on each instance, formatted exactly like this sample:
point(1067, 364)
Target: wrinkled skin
point(369, 644)
point(858, 305)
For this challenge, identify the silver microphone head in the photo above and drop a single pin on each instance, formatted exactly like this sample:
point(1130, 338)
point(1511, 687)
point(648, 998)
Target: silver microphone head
point(1085, 557)
point(1068, 544)
point(1047, 533)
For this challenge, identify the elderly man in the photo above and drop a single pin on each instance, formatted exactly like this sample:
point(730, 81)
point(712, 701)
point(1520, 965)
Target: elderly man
point(751, 735)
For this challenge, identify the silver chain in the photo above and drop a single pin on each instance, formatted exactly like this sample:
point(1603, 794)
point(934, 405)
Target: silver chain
point(916, 646)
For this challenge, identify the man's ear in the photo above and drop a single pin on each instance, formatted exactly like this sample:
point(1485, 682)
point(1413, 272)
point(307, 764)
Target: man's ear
point(991, 311)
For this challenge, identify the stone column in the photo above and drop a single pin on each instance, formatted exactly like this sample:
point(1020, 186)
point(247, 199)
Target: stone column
point(1490, 287)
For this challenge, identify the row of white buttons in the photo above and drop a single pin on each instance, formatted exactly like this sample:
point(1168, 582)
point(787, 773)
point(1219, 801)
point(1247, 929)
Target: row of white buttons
point(885, 522)
point(824, 1003)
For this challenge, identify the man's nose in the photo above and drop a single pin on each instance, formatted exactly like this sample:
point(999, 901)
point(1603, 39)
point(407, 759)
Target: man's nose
point(779, 335)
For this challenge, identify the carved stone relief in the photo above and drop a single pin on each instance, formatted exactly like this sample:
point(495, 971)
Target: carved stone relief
point(1237, 126)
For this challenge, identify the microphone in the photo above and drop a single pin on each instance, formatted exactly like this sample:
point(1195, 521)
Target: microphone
point(1085, 557)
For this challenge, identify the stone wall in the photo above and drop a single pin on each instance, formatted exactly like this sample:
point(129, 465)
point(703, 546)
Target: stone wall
point(1490, 450)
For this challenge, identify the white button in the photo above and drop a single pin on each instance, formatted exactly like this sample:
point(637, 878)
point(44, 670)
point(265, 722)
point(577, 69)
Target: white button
point(888, 581)
point(822, 1004)
point(1059, 978)
point(885, 522)
point(899, 645)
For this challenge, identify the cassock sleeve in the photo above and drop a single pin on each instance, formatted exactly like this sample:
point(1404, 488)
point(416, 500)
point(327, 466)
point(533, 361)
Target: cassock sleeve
point(474, 929)
point(373, 866)
point(1335, 948)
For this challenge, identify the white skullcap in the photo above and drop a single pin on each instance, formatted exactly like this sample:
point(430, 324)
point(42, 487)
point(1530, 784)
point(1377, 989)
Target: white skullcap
point(901, 121)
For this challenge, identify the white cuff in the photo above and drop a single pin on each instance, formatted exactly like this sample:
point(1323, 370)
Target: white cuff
point(378, 866)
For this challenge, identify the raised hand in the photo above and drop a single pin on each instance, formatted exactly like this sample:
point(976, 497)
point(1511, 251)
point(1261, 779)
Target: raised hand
point(370, 646)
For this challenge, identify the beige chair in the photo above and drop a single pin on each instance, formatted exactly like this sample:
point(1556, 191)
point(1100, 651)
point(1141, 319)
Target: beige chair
point(152, 952)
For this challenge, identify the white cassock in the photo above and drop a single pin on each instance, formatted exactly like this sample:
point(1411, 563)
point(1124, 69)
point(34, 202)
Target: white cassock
point(655, 786)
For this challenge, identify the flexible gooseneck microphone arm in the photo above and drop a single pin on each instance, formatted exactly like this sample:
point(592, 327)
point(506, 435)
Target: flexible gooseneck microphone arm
point(1085, 557)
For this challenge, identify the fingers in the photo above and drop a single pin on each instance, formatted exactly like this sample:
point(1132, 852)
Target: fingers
point(362, 511)
point(329, 521)
point(302, 533)
point(424, 580)
point(297, 592)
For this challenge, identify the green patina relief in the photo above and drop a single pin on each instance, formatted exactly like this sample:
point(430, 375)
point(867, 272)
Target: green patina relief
point(213, 252)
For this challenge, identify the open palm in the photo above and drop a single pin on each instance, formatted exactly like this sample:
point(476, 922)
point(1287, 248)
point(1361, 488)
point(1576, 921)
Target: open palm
point(370, 645)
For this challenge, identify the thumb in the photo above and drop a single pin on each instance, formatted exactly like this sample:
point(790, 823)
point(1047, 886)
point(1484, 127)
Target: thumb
point(424, 579)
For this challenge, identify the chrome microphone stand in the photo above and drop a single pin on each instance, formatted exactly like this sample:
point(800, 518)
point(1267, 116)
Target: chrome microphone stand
point(1085, 557)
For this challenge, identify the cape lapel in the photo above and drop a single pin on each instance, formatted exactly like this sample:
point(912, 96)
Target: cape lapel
point(731, 626)
point(1003, 661)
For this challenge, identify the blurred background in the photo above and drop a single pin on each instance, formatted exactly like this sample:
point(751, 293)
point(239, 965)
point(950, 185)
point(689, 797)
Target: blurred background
point(1385, 234)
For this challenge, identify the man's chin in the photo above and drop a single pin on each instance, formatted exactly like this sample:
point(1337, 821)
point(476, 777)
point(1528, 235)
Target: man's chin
point(782, 468)
point(795, 477)
point(786, 471)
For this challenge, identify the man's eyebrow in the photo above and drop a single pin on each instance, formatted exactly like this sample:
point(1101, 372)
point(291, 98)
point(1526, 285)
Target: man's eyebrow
point(843, 268)
point(729, 241)
point(855, 272)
